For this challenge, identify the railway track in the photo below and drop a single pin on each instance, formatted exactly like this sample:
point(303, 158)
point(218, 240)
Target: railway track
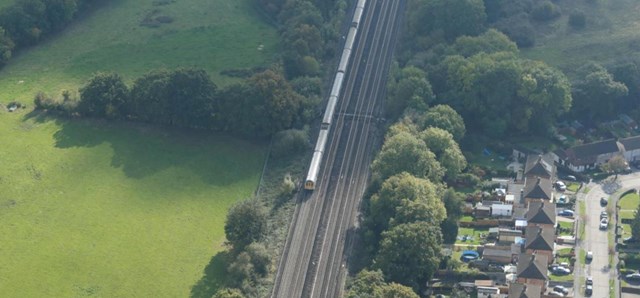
point(313, 263)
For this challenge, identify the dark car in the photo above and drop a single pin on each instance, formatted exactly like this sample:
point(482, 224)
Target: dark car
point(604, 201)
point(588, 291)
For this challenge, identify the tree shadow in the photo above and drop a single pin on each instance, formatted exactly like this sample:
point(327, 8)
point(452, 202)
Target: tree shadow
point(214, 277)
point(141, 150)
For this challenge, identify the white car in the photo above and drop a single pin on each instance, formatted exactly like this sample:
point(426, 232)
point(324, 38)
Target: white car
point(589, 256)
point(561, 186)
point(604, 224)
point(556, 294)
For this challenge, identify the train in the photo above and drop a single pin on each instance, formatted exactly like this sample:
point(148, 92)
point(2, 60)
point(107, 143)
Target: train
point(334, 95)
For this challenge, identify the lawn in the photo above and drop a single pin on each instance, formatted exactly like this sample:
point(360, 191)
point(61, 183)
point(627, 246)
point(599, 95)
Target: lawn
point(214, 35)
point(474, 233)
point(562, 278)
point(629, 201)
point(114, 210)
point(613, 31)
point(573, 186)
point(568, 226)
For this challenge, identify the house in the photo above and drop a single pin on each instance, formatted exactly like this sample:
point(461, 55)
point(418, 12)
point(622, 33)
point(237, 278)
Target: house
point(481, 211)
point(498, 210)
point(532, 269)
point(631, 148)
point(542, 214)
point(537, 166)
point(518, 290)
point(536, 189)
point(509, 236)
point(589, 156)
point(540, 241)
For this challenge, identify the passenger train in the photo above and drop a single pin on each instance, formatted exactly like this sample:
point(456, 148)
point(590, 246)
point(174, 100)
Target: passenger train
point(321, 143)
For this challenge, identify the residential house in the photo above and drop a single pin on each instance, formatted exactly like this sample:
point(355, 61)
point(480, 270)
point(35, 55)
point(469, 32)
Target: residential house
point(542, 214)
point(500, 210)
point(631, 148)
point(540, 241)
point(537, 189)
point(532, 269)
point(537, 166)
point(589, 156)
point(518, 290)
point(481, 211)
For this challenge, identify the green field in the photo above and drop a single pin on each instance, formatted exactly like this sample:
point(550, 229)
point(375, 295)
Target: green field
point(629, 201)
point(612, 32)
point(93, 208)
point(214, 35)
point(114, 210)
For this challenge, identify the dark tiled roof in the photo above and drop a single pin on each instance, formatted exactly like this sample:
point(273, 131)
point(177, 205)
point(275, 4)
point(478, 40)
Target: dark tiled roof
point(539, 238)
point(588, 153)
point(537, 188)
point(496, 252)
point(536, 166)
point(631, 143)
point(532, 266)
point(541, 213)
point(518, 290)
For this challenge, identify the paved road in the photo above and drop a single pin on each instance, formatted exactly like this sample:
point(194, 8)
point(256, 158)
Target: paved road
point(597, 240)
point(313, 263)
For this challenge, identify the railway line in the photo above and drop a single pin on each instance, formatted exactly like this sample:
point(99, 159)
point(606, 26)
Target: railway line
point(313, 263)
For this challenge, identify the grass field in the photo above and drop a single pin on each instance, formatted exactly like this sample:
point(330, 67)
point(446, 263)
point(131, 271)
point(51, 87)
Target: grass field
point(92, 208)
point(474, 233)
point(629, 201)
point(612, 32)
point(114, 210)
point(214, 35)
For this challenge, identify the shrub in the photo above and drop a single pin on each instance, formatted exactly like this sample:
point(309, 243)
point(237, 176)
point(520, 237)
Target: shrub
point(577, 20)
point(42, 101)
point(289, 141)
point(545, 11)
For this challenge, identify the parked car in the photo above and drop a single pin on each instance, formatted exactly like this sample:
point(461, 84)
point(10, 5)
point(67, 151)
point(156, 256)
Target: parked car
point(589, 256)
point(562, 199)
point(604, 223)
point(589, 281)
point(571, 178)
point(604, 214)
point(561, 270)
point(633, 277)
point(566, 212)
point(561, 289)
point(561, 186)
point(604, 201)
point(588, 291)
point(556, 294)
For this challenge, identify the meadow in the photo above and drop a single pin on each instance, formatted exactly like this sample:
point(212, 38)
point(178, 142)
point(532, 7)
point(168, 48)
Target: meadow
point(107, 209)
point(612, 33)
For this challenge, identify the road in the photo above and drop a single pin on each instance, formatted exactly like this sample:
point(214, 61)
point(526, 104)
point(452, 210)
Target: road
point(313, 263)
point(597, 240)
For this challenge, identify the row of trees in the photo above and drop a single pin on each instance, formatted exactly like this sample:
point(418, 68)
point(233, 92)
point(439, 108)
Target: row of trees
point(27, 22)
point(262, 105)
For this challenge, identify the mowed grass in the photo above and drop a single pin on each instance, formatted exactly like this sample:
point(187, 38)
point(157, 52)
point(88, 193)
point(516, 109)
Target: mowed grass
point(629, 201)
point(612, 33)
point(214, 35)
point(114, 210)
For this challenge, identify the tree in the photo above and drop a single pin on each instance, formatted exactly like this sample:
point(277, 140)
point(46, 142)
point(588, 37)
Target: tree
point(246, 223)
point(444, 117)
point(228, 293)
point(394, 290)
point(191, 98)
point(371, 284)
point(616, 165)
point(453, 203)
point(410, 253)
point(453, 17)
point(577, 20)
point(597, 94)
point(411, 90)
point(446, 149)
point(545, 11)
point(278, 105)
point(6, 47)
point(260, 258)
point(104, 96)
point(492, 41)
point(404, 152)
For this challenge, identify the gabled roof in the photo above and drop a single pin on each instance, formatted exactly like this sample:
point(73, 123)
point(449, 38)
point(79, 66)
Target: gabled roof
point(541, 213)
point(588, 153)
point(537, 188)
point(632, 143)
point(536, 166)
point(538, 238)
point(518, 290)
point(533, 266)
point(496, 252)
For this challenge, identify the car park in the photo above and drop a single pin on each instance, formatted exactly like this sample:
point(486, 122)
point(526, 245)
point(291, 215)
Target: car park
point(566, 213)
point(604, 223)
point(561, 289)
point(604, 201)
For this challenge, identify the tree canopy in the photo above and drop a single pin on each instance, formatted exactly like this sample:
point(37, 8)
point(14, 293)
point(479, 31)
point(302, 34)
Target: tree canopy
point(597, 94)
point(404, 152)
point(246, 223)
point(371, 284)
point(442, 116)
point(105, 95)
point(409, 89)
point(453, 18)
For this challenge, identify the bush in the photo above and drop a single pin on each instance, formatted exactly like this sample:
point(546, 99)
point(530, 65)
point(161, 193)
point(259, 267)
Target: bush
point(42, 101)
point(289, 141)
point(577, 20)
point(519, 29)
point(545, 11)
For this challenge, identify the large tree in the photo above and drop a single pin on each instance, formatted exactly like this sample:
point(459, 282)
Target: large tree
point(246, 223)
point(404, 198)
point(410, 253)
point(492, 41)
point(404, 152)
point(410, 89)
point(442, 116)
point(453, 18)
point(371, 284)
point(597, 94)
point(104, 96)
point(446, 149)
